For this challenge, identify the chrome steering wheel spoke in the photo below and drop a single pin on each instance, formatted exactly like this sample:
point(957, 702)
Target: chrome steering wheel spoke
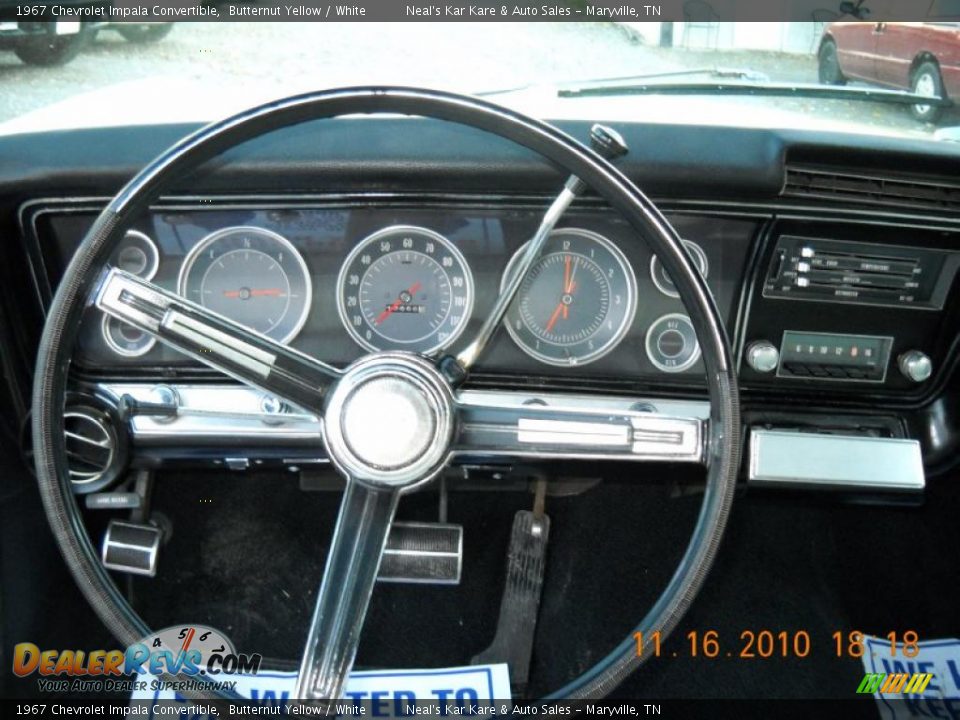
point(216, 341)
point(366, 513)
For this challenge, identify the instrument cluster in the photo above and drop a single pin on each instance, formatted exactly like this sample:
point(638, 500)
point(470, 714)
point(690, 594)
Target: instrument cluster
point(340, 282)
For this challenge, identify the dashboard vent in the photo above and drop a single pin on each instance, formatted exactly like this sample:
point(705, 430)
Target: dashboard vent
point(90, 444)
point(874, 190)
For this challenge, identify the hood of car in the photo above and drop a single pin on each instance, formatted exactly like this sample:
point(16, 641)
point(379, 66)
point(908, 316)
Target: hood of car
point(170, 100)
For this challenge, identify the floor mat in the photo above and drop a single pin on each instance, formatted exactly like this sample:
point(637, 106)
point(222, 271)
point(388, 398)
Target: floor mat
point(247, 555)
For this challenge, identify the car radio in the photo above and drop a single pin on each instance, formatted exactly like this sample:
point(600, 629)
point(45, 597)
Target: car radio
point(830, 356)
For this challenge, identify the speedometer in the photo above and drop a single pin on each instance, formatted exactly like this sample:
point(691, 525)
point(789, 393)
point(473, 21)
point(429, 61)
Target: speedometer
point(576, 302)
point(252, 276)
point(405, 288)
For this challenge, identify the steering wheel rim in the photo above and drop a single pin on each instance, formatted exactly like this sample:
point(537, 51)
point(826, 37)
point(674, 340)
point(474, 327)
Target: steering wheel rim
point(722, 447)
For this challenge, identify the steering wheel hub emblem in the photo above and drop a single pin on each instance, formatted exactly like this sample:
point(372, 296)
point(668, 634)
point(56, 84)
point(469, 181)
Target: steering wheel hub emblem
point(389, 420)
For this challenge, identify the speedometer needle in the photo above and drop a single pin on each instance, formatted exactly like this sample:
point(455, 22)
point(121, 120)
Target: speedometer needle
point(412, 290)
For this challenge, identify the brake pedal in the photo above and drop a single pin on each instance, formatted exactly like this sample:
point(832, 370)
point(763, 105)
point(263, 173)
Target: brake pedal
point(131, 547)
point(428, 553)
point(526, 562)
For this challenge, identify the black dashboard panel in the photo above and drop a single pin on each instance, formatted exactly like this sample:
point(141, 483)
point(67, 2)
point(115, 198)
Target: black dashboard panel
point(486, 233)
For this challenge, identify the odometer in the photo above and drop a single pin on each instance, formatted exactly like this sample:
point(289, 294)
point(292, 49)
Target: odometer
point(405, 288)
point(577, 301)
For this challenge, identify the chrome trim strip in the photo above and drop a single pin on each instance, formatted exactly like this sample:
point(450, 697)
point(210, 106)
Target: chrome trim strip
point(565, 432)
point(213, 412)
point(571, 432)
point(201, 334)
point(203, 414)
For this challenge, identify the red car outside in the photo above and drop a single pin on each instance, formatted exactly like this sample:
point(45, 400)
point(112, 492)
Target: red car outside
point(921, 57)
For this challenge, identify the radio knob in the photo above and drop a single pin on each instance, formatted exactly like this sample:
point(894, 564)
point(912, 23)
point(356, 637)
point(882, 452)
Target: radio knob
point(762, 356)
point(915, 366)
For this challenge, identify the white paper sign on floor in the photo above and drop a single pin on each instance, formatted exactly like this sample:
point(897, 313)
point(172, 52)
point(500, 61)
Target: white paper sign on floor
point(383, 693)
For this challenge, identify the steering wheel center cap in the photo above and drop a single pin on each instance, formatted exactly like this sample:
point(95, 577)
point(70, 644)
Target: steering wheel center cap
point(389, 420)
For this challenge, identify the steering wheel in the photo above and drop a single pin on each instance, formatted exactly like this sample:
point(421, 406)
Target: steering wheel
point(387, 389)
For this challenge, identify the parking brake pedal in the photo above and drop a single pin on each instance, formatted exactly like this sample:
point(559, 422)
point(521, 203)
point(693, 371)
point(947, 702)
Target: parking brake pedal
point(131, 547)
point(526, 557)
point(429, 553)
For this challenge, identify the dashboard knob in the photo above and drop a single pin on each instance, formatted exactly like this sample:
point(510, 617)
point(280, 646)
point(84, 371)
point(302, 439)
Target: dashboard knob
point(165, 394)
point(915, 366)
point(607, 142)
point(763, 356)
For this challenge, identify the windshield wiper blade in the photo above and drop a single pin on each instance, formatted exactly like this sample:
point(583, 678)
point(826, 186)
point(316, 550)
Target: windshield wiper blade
point(804, 90)
point(627, 80)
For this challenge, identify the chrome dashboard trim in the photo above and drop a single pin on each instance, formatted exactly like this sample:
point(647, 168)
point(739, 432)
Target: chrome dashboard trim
point(216, 413)
point(207, 417)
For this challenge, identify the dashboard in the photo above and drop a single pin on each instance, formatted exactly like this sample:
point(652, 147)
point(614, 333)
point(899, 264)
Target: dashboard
point(337, 282)
point(834, 269)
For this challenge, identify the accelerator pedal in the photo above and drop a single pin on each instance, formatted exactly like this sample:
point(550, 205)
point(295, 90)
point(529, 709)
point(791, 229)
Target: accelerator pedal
point(526, 560)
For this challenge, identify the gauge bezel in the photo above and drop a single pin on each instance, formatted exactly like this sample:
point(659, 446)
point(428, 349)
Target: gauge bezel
point(153, 261)
point(631, 300)
point(435, 236)
point(123, 352)
point(700, 260)
point(689, 363)
point(207, 240)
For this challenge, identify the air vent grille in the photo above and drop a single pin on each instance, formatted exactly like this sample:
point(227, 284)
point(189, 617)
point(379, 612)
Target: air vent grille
point(873, 190)
point(90, 444)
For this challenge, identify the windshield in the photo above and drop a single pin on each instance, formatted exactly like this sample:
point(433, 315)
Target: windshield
point(99, 72)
